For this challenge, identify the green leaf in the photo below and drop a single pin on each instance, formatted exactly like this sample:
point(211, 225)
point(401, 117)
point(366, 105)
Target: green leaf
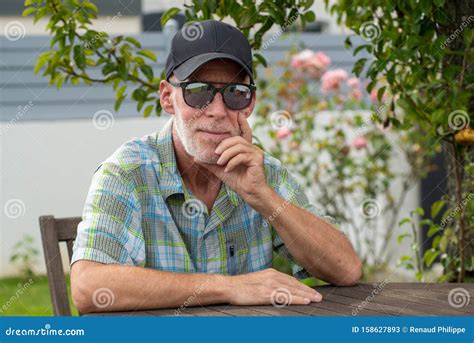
point(419, 211)
point(404, 221)
point(108, 68)
point(433, 230)
point(134, 42)
point(358, 66)
point(28, 11)
point(147, 111)
point(147, 71)
point(148, 54)
point(120, 91)
point(436, 207)
point(401, 237)
point(118, 103)
point(381, 92)
point(168, 15)
point(308, 4)
point(79, 57)
point(430, 256)
point(43, 58)
point(260, 59)
point(139, 95)
point(309, 16)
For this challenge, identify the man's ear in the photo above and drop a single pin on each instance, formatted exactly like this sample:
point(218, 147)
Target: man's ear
point(166, 92)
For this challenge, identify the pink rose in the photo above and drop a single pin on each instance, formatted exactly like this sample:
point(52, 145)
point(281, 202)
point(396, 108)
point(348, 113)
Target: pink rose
point(311, 63)
point(331, 80)
point(283, 133)
point(321, 60)
point(300, 60)
point(359, 143)
point(355, 94)
point(353, 82)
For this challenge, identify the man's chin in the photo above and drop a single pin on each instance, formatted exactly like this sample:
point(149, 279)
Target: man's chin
point(207, 159)
point(207, 156)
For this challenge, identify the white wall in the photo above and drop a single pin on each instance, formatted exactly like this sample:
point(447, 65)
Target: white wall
point(48, 166)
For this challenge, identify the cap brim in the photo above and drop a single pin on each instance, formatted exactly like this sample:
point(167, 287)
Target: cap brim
point(185, 69)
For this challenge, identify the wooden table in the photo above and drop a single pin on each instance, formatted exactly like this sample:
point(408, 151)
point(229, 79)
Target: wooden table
point(383, 299)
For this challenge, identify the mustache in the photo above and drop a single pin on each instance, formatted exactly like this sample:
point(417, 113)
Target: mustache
point(218, 128)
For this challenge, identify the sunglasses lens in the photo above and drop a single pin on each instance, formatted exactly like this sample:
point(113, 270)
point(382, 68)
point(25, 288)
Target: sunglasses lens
point(197, 94)
point(237, 97)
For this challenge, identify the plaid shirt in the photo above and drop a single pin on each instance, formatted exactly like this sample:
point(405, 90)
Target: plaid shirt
point(138, 212)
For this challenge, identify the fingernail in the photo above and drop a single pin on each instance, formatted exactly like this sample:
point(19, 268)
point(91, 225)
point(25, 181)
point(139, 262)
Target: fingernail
point(317, 297)
point(307, 301)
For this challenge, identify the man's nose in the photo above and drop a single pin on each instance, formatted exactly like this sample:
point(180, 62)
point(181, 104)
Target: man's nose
point(216, 108)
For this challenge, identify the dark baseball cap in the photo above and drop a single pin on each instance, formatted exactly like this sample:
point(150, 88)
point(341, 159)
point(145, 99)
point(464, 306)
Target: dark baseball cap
point(200, 42)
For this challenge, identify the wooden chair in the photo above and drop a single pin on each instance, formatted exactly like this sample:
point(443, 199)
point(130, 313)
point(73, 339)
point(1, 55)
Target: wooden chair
point(54, 231)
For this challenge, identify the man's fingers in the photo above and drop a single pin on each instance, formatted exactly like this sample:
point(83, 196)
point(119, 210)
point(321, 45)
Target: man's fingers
point(297, 300)
point(237, 160)
point(233, 151)
point(229, 142)
point(293, 282)
point(315, 297)
point(245, 127)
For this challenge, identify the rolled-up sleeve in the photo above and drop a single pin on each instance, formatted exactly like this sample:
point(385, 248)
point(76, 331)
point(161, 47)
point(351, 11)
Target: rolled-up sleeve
point(110, 230)
point(290, 189)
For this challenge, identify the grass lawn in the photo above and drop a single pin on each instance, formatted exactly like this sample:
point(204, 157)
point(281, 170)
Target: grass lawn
point(16, 299)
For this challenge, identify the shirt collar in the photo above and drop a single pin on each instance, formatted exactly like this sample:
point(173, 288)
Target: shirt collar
point(171, 181)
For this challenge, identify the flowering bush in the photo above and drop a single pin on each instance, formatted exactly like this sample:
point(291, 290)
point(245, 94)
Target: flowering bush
point(329, 132)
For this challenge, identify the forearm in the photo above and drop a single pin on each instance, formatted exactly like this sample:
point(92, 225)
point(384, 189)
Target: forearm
point(136, 288)
point(319, 247)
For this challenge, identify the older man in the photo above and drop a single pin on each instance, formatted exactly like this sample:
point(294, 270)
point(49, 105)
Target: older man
point(192, 214)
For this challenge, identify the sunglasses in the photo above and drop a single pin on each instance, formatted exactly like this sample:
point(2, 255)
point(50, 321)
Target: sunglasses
point(199, 94)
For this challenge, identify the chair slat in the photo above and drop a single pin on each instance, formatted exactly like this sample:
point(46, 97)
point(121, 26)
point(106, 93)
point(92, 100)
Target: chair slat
point(54, 231)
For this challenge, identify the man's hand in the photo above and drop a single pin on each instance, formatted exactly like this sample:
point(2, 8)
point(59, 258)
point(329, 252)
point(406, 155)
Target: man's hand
point(240, 164)
point(268, 287)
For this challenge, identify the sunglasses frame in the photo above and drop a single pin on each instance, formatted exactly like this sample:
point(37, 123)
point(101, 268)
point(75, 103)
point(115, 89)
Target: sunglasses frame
point(215, 90)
